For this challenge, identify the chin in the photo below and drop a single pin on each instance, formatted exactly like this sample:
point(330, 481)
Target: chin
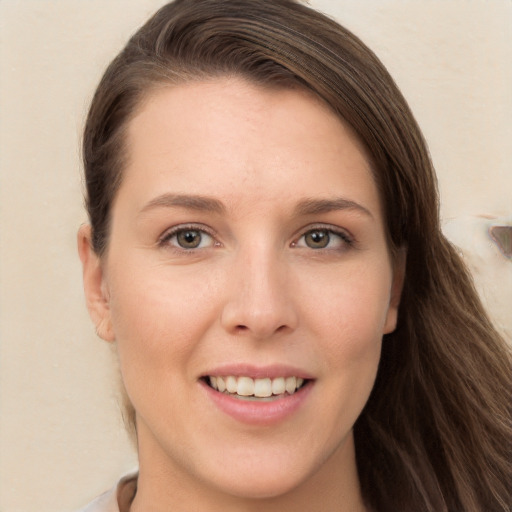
point(264, 476)
point(261, 487)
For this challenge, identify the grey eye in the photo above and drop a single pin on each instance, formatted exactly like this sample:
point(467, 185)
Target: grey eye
point(324, 238)
point(189, 238)
point(317, 238)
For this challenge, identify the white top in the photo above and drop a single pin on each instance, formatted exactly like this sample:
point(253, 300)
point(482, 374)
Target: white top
point(118, 499)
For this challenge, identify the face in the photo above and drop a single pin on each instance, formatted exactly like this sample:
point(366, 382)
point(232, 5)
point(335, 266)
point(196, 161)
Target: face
point(247, 252)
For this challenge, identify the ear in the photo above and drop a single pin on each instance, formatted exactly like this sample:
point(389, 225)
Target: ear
point(95, 286)
point(399, 263)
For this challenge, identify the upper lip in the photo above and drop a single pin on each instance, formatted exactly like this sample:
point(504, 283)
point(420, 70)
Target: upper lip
point(258, 372)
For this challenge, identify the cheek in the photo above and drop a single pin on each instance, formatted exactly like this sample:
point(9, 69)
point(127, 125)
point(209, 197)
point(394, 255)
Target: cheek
point(149, 300)
point(352, 344)
point(351, 306)
point(158, 316)
point(159, 320)
point(348, 321)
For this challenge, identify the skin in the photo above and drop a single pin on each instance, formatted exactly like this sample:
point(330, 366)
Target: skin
point(253, 292)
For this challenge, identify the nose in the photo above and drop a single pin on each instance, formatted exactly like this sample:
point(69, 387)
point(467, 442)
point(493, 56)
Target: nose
point(259, 303)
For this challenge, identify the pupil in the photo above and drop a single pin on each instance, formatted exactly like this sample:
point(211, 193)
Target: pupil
point(317, 239)
point(189, 239)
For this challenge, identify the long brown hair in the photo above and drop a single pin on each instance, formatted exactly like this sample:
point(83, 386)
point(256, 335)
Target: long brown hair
point(435, 434)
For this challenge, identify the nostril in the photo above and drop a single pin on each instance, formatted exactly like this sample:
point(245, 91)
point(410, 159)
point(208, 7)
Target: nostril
point(241, 329)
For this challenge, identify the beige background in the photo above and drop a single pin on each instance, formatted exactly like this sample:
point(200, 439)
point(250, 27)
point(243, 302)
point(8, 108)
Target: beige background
point(61, 439)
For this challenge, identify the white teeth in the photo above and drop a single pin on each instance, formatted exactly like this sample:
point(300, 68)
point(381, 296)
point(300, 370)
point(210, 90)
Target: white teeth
point(245, 386)
point(231, 384)
point(278, 386)
point(291, 384)
point(262, 388)
point(221, 385)
point(257, 388)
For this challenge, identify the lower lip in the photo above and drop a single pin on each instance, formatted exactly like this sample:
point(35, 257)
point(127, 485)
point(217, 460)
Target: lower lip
point(259, 413)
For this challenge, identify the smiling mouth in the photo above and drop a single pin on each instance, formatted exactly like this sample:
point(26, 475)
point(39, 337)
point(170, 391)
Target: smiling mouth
point(247, 388)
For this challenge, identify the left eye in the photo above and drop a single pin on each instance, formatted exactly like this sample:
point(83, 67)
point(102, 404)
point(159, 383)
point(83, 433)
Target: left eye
point(322, 238)
point(188, 238)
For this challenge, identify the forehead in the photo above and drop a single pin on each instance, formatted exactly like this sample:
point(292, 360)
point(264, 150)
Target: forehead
point(228, 136)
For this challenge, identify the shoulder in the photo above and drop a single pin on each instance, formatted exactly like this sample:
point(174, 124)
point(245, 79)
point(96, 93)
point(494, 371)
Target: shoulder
point(107, 502)
point(116, 499)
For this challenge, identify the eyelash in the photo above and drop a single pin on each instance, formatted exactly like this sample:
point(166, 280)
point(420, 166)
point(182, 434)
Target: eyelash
point(347, 241)
point(164, 241)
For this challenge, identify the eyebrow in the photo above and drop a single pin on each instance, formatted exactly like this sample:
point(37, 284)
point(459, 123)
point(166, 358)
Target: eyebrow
point(319, 206)
point(305, 207)
point(191, 202)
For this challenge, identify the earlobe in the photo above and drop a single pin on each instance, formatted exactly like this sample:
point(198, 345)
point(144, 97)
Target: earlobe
point(95, 285)
point(396, 290)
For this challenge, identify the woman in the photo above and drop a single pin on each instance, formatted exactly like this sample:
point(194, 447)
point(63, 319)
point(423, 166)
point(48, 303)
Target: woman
point(293, 330)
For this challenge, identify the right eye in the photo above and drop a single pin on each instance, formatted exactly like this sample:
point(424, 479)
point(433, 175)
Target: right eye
point(187, 238)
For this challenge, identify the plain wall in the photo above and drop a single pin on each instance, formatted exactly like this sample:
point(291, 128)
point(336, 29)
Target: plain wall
point(61, 437)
